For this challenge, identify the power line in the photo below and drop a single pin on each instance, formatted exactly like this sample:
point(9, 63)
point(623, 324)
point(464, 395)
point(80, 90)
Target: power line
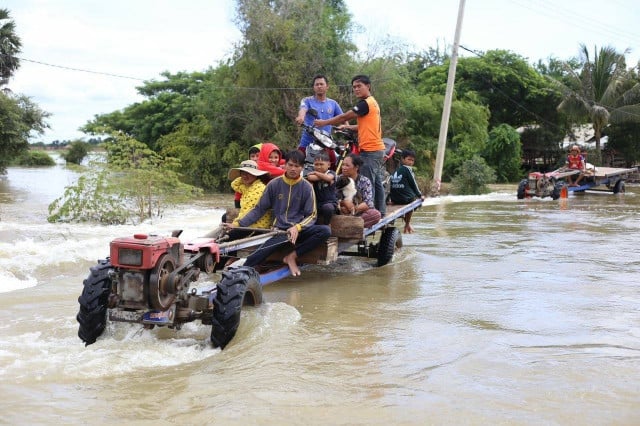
point(553, 10)
point(78, 69)
point(257, 89)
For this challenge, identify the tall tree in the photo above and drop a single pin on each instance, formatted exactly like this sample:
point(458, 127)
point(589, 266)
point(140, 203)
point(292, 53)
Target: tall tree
point(504, 153)
point(19, 116)
point(285, 43)
point(169, 103)
point(10, 45)
point(600, 91)
point(514, 92)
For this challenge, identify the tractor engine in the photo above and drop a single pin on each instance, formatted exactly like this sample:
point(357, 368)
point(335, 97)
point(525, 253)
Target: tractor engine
point(148, 274)
point(541, 184)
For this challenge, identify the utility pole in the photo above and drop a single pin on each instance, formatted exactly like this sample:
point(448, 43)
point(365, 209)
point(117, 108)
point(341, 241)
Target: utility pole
point(446, 110)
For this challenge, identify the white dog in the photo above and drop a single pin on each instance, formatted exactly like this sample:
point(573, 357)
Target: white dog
point(348, 194)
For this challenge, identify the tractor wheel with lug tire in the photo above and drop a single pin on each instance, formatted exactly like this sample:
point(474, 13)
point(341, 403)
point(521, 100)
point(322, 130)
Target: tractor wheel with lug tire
point(522, 189)
point(619, 188)
point(238, 287)
point(387, 245)
point(93, 301)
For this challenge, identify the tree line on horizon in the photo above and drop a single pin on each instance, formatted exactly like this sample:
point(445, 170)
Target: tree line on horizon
point(504, 110)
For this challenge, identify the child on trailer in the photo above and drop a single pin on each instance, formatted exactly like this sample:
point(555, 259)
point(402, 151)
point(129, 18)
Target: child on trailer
point(324, 186)
point(403, 186)
point(270, 159)
point(575, 161)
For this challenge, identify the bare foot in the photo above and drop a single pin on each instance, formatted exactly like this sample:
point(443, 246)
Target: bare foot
point(408, 229)
point(290, 260)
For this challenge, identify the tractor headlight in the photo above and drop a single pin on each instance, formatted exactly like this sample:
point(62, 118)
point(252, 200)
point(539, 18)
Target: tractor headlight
point(130, 257)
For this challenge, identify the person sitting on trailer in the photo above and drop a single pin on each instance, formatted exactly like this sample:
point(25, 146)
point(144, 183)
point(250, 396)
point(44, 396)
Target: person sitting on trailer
point(575, 161)
point(254, 153)
point(324, 184)
point(250, 183)
point(293, 202)
point(365, 208)
point(403, 186)
point(270, 159)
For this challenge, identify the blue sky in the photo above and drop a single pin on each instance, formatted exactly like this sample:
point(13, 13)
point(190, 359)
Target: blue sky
point(135, 40)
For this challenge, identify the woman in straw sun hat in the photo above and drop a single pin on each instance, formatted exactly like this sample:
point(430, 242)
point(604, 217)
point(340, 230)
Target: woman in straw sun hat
point(249, 181)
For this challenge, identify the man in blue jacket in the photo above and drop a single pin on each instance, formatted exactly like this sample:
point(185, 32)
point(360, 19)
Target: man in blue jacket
point(293, 202)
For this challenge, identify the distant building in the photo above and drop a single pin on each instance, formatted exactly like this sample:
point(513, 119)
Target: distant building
point(584, 136)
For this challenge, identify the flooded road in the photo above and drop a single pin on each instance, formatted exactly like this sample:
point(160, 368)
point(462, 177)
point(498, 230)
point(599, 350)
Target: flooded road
point(496, 310)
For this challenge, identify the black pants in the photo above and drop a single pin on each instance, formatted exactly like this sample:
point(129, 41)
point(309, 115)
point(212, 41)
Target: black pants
point(308, 239)
point(326, 212)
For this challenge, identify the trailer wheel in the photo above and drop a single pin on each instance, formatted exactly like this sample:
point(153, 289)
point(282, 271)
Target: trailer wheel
point(387, 245)
point(619, 188)
point(238, 287)
point(522, 189)
point(92, 316)
point(557, 190)
point(399, 242)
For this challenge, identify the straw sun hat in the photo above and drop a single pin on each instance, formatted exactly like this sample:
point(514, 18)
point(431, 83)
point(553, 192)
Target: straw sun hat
point(248, 166)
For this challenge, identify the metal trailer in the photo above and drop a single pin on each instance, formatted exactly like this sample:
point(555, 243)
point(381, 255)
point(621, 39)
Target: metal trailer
point(552, 184)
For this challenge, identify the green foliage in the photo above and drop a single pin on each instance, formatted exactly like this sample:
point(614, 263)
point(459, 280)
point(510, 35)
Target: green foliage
point(10, 46)
point(467, 133)
point(135, 184)
point(284, 44)
point(624, 139)
point(170, 103)
point(503, 153)
point(503, 81)
point(91, 199)
point(32, 158)
point(474, 177)
point(76, 152)
point(602, 91)
point(542, 142)
point(18, 117)
point(206, 159)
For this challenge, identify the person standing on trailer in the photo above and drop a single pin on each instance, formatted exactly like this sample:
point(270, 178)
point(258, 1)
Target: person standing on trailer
point(324, 108)
point(370, 145)
point(404, 188)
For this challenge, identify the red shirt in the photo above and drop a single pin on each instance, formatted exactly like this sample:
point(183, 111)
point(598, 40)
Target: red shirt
point(575, 161)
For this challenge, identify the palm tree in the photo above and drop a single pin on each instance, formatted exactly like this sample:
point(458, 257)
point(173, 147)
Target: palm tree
point(602, 91)
point(10, 45)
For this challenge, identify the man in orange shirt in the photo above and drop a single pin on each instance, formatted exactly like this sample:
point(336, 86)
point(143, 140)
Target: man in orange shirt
point(369, 127)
